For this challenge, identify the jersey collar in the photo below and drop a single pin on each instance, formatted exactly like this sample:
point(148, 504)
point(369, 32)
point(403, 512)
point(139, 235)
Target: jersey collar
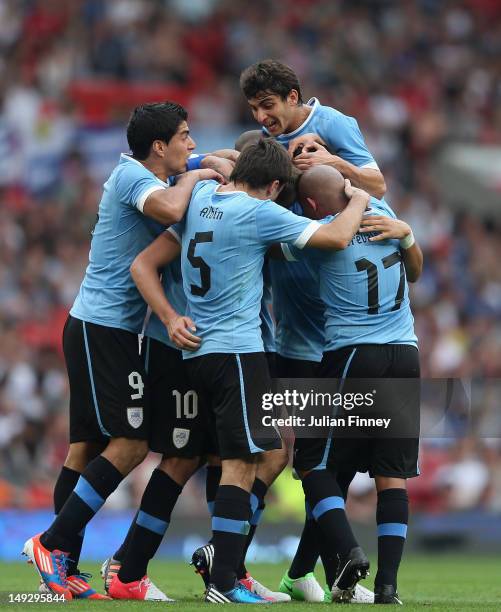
point(125, 158)
point(314, 104)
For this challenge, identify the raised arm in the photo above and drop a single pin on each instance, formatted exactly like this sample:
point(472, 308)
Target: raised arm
point(387, 227)
point(337, 234)
point(168, 206)
point(145, 272)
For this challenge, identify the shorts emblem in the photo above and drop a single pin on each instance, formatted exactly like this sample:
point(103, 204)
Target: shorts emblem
point(180, 437)
point(135, 417)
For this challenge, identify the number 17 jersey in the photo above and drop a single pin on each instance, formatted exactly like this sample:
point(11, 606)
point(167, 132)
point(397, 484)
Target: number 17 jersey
point(364, 289)
point(224, 237)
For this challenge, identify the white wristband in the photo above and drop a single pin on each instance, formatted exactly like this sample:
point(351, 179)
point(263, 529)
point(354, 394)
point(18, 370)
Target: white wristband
point(408, 241)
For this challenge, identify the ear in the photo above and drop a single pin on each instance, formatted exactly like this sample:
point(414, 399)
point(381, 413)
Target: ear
point(312, 204)
point(293, 97)
point(273, 189)
point(158, 147)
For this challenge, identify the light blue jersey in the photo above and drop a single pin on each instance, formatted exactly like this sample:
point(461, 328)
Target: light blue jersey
point(108, 295)
point(298, 308)
point(224, 237)
point(267, 323)
point(364, 289)
point(172, 283)
point(340, 132)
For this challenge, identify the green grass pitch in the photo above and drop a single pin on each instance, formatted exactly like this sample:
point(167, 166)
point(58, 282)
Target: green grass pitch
point(426, 583)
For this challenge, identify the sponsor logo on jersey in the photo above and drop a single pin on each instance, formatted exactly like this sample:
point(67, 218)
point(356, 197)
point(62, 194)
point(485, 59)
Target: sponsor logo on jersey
point(135, 417)
point(180, 437)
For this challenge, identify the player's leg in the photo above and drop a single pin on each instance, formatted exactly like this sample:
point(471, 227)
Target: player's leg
point(106, 399)
point(236, 384)
point(176, 432)
point(392, 461)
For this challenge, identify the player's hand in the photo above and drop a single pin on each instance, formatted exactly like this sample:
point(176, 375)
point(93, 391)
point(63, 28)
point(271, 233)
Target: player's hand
point(219, 164)
point(352, 192)
point(303, 142)
point(386, 226)
point(230, 154)
point(181, 330)
point(209, 174)
point(312, 155)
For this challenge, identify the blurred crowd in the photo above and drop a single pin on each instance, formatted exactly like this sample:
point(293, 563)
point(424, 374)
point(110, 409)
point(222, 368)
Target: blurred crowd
point(415, 73)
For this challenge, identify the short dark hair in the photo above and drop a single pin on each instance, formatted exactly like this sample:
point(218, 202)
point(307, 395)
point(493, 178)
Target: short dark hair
point(262, 163)
point(150, 122)
point(269, 76)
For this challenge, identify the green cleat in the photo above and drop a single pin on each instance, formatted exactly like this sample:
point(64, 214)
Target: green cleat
point(305, 588)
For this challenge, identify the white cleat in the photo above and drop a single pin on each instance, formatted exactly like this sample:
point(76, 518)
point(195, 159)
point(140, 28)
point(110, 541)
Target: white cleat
point(359, 594)
point(257, 588)
point(305, 588)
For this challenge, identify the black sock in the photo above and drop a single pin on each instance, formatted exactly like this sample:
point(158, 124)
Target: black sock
point(330, 558)
point(230, 527)
point(65, 484)
point(258, 493)
point(119, 555)
point(307, 552)
point(327, 506)
point(99, 479)
point(392, 516)
point(211, 485)
point(152, 520)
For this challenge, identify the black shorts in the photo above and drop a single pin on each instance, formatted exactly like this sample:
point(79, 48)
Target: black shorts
point(179, 424)
point(108, 390)
point(368, 451)
point(232, 388)
point(296, 368)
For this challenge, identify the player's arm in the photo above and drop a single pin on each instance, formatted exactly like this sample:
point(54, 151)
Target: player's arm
point(368, 179)
point(168, 206)
point(337, 234)
point(145, 272)
point(229, 154)
point(387, 227)
point(220, 164)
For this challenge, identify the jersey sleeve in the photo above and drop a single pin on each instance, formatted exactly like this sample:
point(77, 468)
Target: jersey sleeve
point(194, 161)
point(277, 224)
point(176, 230)
point(134, 184)
point(345, 139)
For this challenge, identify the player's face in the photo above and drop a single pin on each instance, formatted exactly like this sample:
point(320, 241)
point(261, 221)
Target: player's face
point(180, 147)
point(273, 112)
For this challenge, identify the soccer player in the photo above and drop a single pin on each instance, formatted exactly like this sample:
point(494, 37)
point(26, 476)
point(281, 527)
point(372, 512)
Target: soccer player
point(109, 404)
point(369, 334)
point(274, 94)
point(225, 235)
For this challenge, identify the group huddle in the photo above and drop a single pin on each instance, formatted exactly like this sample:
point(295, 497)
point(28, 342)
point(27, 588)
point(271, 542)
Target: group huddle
point(209, 276)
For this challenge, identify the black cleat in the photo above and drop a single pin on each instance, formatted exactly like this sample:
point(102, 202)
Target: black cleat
point(202, 560)
point(386, 594)
point(354, 567)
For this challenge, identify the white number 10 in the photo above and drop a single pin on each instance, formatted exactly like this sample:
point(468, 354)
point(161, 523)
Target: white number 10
point(187, 404)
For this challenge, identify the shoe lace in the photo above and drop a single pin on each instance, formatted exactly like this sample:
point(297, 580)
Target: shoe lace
point(84, 576)
point(61, 561)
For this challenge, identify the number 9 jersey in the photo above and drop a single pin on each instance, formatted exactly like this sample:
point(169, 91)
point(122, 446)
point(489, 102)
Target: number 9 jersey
point(364, 289)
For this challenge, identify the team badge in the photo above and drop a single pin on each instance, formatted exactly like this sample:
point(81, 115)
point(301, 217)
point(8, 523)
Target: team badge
point(135, 417)
point(180, 437)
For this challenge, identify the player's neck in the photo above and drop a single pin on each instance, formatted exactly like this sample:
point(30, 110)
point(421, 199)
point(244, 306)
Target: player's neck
point(299, 117)
point(156, 168)
point(259, 194)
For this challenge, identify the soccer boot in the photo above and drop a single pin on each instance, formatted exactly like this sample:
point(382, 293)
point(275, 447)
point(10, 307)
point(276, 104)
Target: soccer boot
point(386, 594)
point(239, 594)
point(80, 588)
point(359, 595)
point(51, 565)
point(305, 588)
point(252, 585)
point(353, 567)
point(109, 568)
point(202, 560)
point(143, 590)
